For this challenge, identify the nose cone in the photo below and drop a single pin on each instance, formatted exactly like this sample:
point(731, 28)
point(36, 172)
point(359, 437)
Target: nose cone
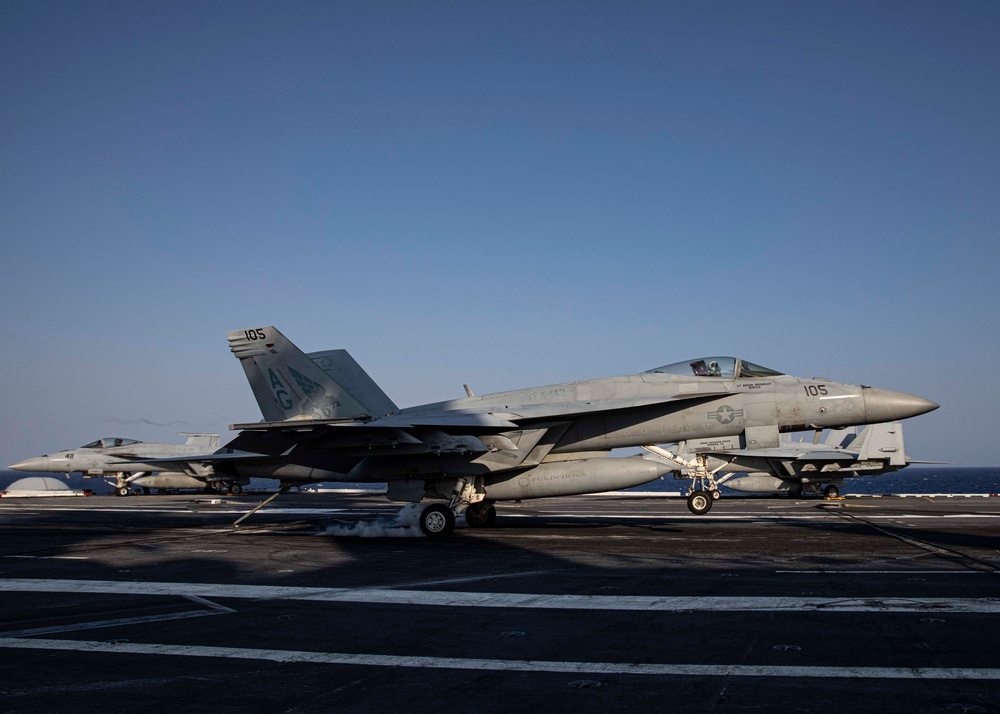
point(38, 463)
point(886, 405)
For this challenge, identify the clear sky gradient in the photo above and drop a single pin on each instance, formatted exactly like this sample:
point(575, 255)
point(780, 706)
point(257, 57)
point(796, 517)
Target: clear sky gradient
point(501, 194)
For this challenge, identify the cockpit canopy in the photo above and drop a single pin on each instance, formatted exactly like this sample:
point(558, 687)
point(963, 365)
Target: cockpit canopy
point(723, 367)
point(109, 441)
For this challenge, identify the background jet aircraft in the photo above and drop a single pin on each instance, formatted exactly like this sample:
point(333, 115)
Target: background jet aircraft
point(527, 443)
point(793, 467)
point(104, 458)
point(123, 460)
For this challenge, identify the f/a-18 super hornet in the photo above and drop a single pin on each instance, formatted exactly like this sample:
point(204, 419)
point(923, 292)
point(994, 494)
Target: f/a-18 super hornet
point(326, 420)
point(108, 458)
point(793, 467)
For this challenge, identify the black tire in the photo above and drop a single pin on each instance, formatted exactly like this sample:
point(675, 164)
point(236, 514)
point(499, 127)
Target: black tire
point(700, 503)
point(437, 521)
point(716, 494)
point(122, 491)
point(481, 515)
point(831, 491)
point(235, 489)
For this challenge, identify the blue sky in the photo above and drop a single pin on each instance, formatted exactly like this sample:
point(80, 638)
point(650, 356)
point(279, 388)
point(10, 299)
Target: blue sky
point(500, 194)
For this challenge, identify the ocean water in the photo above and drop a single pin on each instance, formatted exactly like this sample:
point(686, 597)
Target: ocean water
point(915, 479)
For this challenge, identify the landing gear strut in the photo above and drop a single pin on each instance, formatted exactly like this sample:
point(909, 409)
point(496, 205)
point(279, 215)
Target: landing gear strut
point(704, 489)
point(121, 484)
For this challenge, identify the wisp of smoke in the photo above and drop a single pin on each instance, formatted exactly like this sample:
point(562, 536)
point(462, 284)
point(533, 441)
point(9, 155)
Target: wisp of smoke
point(112, 420)
point(404, 524)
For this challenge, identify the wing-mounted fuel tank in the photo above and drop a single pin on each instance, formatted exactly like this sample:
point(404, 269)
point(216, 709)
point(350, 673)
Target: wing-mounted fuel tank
point(757, 482)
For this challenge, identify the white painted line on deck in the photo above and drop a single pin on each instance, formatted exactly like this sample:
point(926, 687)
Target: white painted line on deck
point(884, 572)
point(745, 516)
point(502, 665)
point(534, 601)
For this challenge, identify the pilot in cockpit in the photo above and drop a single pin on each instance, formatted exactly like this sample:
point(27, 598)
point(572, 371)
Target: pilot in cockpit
point(713, 369)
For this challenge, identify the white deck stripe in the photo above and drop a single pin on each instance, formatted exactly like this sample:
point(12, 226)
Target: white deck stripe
point(534, 601)
point(500, 665)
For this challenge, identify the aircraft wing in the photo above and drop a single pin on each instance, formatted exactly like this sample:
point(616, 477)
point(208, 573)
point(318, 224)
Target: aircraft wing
point(784, 454)
point(485, 420)
point(195, 459)
point(568, 409)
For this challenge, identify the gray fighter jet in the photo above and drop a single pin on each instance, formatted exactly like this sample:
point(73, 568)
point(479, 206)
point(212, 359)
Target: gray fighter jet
point(326, 420)
point(794, 467)
point(111, 457)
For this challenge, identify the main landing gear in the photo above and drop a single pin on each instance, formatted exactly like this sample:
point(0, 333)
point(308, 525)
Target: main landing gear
point(232, 487)
point(437, 521)
point(468, 497)
point(481, 515)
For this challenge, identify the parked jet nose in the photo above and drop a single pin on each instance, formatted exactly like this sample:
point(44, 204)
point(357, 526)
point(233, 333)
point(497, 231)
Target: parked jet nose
point(887, 405)
point(38, 463)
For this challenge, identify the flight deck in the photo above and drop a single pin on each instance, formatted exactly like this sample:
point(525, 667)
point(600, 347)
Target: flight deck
point(335, 601)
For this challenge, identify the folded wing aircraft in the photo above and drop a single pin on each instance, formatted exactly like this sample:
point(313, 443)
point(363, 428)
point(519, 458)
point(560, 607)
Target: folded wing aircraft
point(793, 467)
point(115, 458)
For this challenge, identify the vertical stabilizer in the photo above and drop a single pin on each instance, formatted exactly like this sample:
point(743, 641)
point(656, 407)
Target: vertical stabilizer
point(842, 438)
point(204, 441)
point(345, 371)
point(883, 441)
point(286, 382)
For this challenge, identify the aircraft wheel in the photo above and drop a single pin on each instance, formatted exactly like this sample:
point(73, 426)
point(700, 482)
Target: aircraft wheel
point(122, 491)
point(831, 491)
point(437, 521)
point(481, 515)
point(716, 495)
point(235, 489)
point(699, 503)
